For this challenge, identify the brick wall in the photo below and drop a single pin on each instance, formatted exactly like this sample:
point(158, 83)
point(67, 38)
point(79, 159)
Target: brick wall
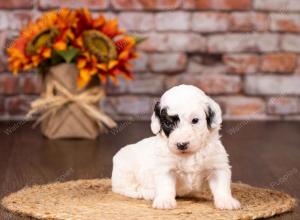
point(244, 53)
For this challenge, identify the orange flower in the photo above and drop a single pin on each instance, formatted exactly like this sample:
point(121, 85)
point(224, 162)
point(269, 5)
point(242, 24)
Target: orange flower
point(60, 45)
point(46, 53)
point(110, 28)
point(98, 57)
point(91, 65)
point(37, 39)
point(97, 45)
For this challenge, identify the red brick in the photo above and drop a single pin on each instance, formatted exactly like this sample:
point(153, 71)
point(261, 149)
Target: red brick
point(241, 22)
point(142, 84)
point(146, 4)
point(128, 105)
point(248, 21)
point(218, 4)
point(272, 85)
point(2, 39)
point(186, 42)
point(279, 62)
point(12, 4)
point(168, 62)
point(260, 21)
point(213, 84)
point(283, 6)
point(285, 22)
point(243, 106)
point(141, 63)
point(210, 22)
point(241, 63)
point(18, 19)
point(266, 42)
point(174, 42)
point(249, 42)
point(197, 66)
point(283, 105)
point(155, 42)
point(180, 21)
point(230, 43)
point(206, 63)
point(14, 19)
point(92, 4)
point(9, 85)
point(137, 21)
point(290, 42)
point(31, 84)
point(18, 105)
point(4, 21)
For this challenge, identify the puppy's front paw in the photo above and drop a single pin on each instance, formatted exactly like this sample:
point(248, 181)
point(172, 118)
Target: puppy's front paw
point(148, 194)
point(164, 203)
point(227, 203)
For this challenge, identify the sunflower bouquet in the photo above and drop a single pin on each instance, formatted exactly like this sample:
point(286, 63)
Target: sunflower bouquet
point(76, 53)
point(96, 45)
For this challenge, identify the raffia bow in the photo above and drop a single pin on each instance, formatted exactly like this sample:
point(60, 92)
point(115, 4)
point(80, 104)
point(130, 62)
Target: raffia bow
point(49, 103)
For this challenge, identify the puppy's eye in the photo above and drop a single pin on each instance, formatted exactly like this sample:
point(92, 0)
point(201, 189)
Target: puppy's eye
point(195, 120)
point(167, 123)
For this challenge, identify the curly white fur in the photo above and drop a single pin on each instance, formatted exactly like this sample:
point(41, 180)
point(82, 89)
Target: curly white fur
point(157, 169)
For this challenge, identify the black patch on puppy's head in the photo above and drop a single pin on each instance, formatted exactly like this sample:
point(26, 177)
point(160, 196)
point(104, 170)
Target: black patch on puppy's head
point(167, 122)
point(210, 114)
point(157, 110)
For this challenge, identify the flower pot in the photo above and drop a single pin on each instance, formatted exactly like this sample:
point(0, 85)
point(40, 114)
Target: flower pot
point(68, 112)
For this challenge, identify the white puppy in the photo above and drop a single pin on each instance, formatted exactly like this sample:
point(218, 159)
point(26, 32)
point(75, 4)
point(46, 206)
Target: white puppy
point(185, 152)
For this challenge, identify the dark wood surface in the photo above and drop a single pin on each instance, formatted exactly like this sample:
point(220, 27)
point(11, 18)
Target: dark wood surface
point(263, 154)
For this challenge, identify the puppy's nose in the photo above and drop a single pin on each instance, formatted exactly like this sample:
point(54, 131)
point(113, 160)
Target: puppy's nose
point(182, 146)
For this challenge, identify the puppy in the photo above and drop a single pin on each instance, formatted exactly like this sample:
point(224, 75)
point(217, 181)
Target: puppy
point(184, 153)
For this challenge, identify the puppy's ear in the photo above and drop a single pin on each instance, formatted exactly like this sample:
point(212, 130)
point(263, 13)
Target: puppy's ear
point(155, 119)
point(213, 114)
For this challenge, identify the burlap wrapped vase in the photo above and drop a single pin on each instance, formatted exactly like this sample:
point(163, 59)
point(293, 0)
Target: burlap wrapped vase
point(66, 111)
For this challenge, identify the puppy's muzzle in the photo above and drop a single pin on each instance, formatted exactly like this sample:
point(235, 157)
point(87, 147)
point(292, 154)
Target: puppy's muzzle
point(182, 146)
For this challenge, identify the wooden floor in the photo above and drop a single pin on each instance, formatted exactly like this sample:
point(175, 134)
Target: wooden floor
point(264, 154)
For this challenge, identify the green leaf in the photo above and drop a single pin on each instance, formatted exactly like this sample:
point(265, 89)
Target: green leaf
point(139, 39)
point(69, 54)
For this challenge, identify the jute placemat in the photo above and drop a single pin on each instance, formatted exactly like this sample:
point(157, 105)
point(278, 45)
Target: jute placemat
point(94, 200)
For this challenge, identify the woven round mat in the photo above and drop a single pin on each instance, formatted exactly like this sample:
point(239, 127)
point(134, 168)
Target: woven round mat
point(93, 199)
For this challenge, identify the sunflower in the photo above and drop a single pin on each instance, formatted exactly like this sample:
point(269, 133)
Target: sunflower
point(105, 58)
point(39, 38)
point(106, 50)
